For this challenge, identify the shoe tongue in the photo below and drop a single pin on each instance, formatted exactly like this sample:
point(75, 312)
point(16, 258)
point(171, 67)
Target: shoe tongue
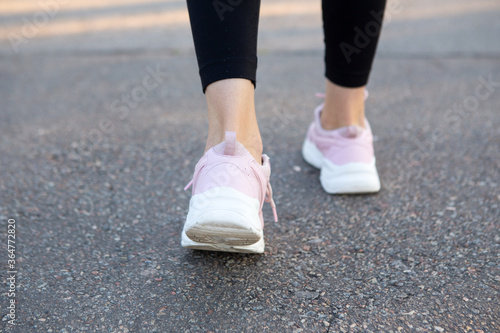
point(351, 131)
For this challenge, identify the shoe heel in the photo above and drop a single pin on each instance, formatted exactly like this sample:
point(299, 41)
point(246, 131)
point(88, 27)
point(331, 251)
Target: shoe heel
point(226, 217)
point(351, 178)
point(311, 154)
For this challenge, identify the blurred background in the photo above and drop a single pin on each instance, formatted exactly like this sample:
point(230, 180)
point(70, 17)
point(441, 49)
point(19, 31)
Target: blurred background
point(412, 27)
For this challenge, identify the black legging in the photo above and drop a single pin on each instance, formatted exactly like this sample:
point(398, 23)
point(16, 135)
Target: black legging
point(225, 38)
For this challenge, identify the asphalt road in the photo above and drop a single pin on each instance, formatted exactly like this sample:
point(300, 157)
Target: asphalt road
point(102, 120)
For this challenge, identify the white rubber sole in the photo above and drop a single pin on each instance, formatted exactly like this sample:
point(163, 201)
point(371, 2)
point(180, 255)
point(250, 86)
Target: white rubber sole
point(311, 154)
point(223, 219)
point(254, 248)
point(342, 179)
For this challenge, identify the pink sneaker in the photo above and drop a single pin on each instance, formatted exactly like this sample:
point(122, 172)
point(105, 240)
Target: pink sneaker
point(345, 157)
point(229, 190)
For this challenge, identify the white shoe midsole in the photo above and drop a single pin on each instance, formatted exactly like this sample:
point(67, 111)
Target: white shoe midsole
point(350, 178)
point(347, 178)
point(311, 154)
point(223, 219)
point(226, 205)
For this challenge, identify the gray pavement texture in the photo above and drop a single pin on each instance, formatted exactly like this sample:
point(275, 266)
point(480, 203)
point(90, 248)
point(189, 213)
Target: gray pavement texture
point(102, 120)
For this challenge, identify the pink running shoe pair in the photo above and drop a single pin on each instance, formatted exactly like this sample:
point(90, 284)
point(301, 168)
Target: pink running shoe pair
point(230, 187)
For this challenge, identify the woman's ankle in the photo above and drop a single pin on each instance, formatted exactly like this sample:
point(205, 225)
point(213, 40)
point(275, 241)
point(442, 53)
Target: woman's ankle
point(343, 107)
point(231, 107)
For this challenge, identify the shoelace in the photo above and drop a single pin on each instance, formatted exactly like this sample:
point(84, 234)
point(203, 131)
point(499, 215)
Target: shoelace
point(267, 198)
point(189, 184)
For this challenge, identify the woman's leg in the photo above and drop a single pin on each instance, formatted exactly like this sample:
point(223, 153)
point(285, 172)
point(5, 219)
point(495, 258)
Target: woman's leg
point(352, 29)
point(336, 142)
point(225, 38)
point(231, 181)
